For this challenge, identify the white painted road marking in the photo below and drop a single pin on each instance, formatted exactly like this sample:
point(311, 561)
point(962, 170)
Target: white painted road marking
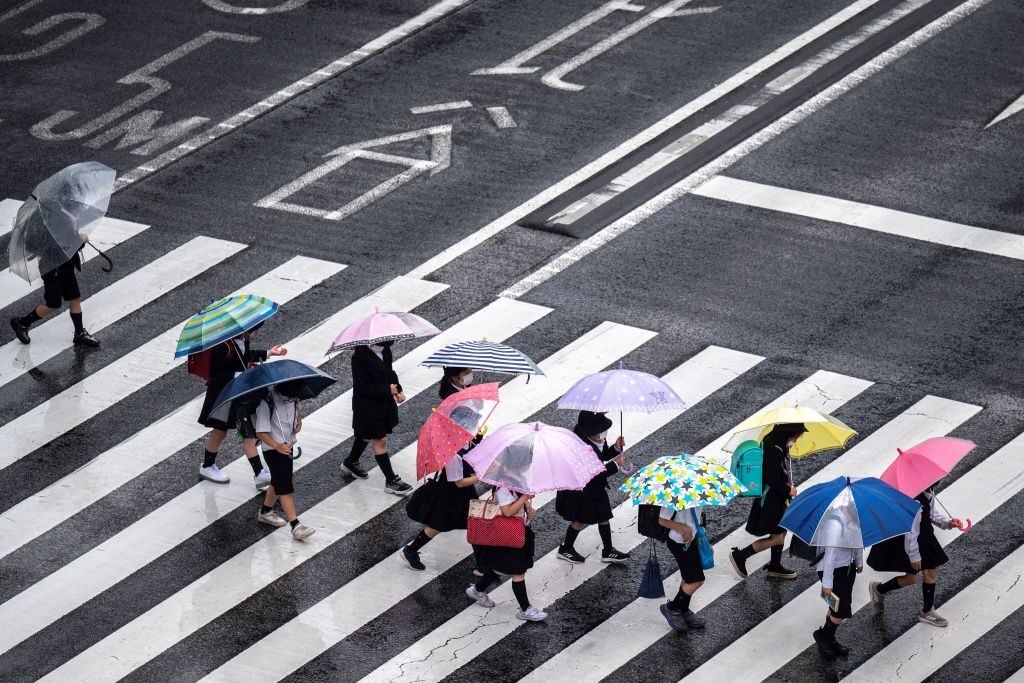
point(501, 117)
point(375, 46)
point(1014, 107)
point(713, 168)
point(865, 216)
point(114, 302)
point(602, 650)
point(8, 212)
point(228, 8)
point(108, 234)
point(129, 373)
point(444, 106)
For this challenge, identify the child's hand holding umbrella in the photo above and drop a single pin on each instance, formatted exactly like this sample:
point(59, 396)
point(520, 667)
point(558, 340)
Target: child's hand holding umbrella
point(277, 350)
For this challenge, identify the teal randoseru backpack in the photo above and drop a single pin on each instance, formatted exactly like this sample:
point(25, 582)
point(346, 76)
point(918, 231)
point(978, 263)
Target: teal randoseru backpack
point(747, 461)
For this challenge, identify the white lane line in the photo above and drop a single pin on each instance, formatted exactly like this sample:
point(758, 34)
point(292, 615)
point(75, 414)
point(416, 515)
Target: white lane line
point(761, 647)
point(1014, 107)
point(114, 302)
point(304, 84)
point(443, 106)
point(640, 139)
point(978, 608)
point(972, 613)
point(865, 216)
point(715, 167)
point(187, 514)
point(706, 131)
point(501, 117)
point(8, 212)
point(467, 634)
point(126, 375)
point(109, 233)
point(593, 656)
point(259, 565)
point(133, 456)
point(1017, 677)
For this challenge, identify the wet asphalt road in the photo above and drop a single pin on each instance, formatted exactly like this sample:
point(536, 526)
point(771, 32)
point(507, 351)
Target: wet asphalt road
point(913, 317)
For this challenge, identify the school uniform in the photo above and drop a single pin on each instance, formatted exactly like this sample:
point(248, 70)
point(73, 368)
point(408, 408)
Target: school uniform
point(920, 545)
point(278, 420)
point(440, 504)
point(506, 560)
point(590, 505)
point(687, 556)
point(61, 284)
point(374, 411)
point(227, 360)
point(837, 571)
point(767, 511)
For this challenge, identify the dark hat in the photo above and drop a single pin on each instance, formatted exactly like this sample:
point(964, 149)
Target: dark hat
point(589, 424)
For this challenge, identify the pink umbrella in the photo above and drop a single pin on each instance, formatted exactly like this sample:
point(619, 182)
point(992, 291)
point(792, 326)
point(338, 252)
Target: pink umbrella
point(453, 425)
point(533, 458)
point(380, 327)
point(916, 469)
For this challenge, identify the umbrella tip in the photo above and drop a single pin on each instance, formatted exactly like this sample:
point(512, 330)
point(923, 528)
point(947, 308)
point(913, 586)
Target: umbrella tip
point(899, 451)
point(536, 426)
point(376, 309)
point(621, 365)
point(847, 481)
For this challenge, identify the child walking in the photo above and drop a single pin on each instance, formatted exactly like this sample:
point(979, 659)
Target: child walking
point(916, 553)
point(683, 526)
point(376, 394)
point(837, 571)
point(591, 505)
point(495, 560)
point(227, 360)
point(59, 284)
point(277, 423)
point(767, 511)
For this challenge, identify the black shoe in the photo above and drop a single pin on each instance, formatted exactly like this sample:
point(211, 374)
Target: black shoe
point(354, 469)
point(738, 562)
point(840, 649)
point(397, 487)
point(83, 338)
point(570, 555)
point(413, 558)
point(825, 646)
point(614, 556)
point(693, 621)
point(675, 619)
point(777, 571)
point(20, 331)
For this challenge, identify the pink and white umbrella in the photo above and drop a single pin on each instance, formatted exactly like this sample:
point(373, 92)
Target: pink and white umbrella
point(380, 327)
point(534, 458)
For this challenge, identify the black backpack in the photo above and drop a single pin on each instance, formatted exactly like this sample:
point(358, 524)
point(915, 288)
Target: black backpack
point(803, 551)
point(647, 523)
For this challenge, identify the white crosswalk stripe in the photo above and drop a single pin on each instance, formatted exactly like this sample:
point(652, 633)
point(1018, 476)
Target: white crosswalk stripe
point(462, 638)
point(131, 372)
point(109, 233)
point(114, 302)
point(929, 417)
point(8, 212)
point(267, 560)
point(161, 530)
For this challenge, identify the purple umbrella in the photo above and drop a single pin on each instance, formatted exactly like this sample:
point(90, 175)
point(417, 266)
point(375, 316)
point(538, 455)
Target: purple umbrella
point(621, 391)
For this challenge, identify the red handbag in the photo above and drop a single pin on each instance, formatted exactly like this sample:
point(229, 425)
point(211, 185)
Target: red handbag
point(487, 526)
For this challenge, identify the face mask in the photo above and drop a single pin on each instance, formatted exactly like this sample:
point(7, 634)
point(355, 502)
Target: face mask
point(600, 438)
point(467, 379)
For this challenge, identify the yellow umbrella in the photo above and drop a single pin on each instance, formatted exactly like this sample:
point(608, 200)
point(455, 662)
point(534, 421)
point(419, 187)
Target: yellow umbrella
point(823, 431)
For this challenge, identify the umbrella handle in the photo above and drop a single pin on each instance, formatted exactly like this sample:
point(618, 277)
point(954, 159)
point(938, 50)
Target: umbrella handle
point(110, 264)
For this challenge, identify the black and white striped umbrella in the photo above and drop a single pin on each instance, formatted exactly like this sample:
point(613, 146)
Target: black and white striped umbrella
point(484, 355)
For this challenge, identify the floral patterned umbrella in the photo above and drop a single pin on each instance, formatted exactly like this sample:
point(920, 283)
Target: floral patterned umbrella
point(682, 481)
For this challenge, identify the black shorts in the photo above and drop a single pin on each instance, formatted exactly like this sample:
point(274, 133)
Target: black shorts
point(60, 284)
point(688, 559)
point(280, 466)
point(843, 579)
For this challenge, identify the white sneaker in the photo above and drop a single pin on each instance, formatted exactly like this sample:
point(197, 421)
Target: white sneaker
point(302, 532)
point(932, 617)
point(213, 473)
point(271, 518)
point(262, 480)
point(877, 597)
point(531, 613)
point(481, 598)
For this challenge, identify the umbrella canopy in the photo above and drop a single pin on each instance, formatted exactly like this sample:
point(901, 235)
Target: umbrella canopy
point(251, 386)
point(380, 327)
point(621, 391)
point(533, 458)
point(453, 425)
point(823, 431)
point(223, 320)
point(682, 481)
point(916, 469)
point(483, 355)
point(850, 513)
point(51, 224)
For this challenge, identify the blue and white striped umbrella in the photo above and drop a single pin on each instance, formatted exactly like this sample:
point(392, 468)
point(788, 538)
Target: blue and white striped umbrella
point(484, 355)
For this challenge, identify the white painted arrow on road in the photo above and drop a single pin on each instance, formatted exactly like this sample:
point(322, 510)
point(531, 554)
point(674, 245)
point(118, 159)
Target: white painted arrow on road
point(1015, 107)
point(440, 158)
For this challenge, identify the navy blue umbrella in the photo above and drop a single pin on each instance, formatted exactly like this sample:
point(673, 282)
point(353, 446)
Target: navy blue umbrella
point(294, 379)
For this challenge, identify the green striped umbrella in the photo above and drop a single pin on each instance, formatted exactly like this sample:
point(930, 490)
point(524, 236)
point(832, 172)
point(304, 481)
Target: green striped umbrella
point(223, 320)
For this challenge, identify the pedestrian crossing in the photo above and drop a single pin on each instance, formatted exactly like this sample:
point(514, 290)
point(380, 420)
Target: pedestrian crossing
point(93, 578)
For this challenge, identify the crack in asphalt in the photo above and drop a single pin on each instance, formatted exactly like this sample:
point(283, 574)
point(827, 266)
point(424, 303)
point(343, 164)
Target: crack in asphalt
point(481, 623)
